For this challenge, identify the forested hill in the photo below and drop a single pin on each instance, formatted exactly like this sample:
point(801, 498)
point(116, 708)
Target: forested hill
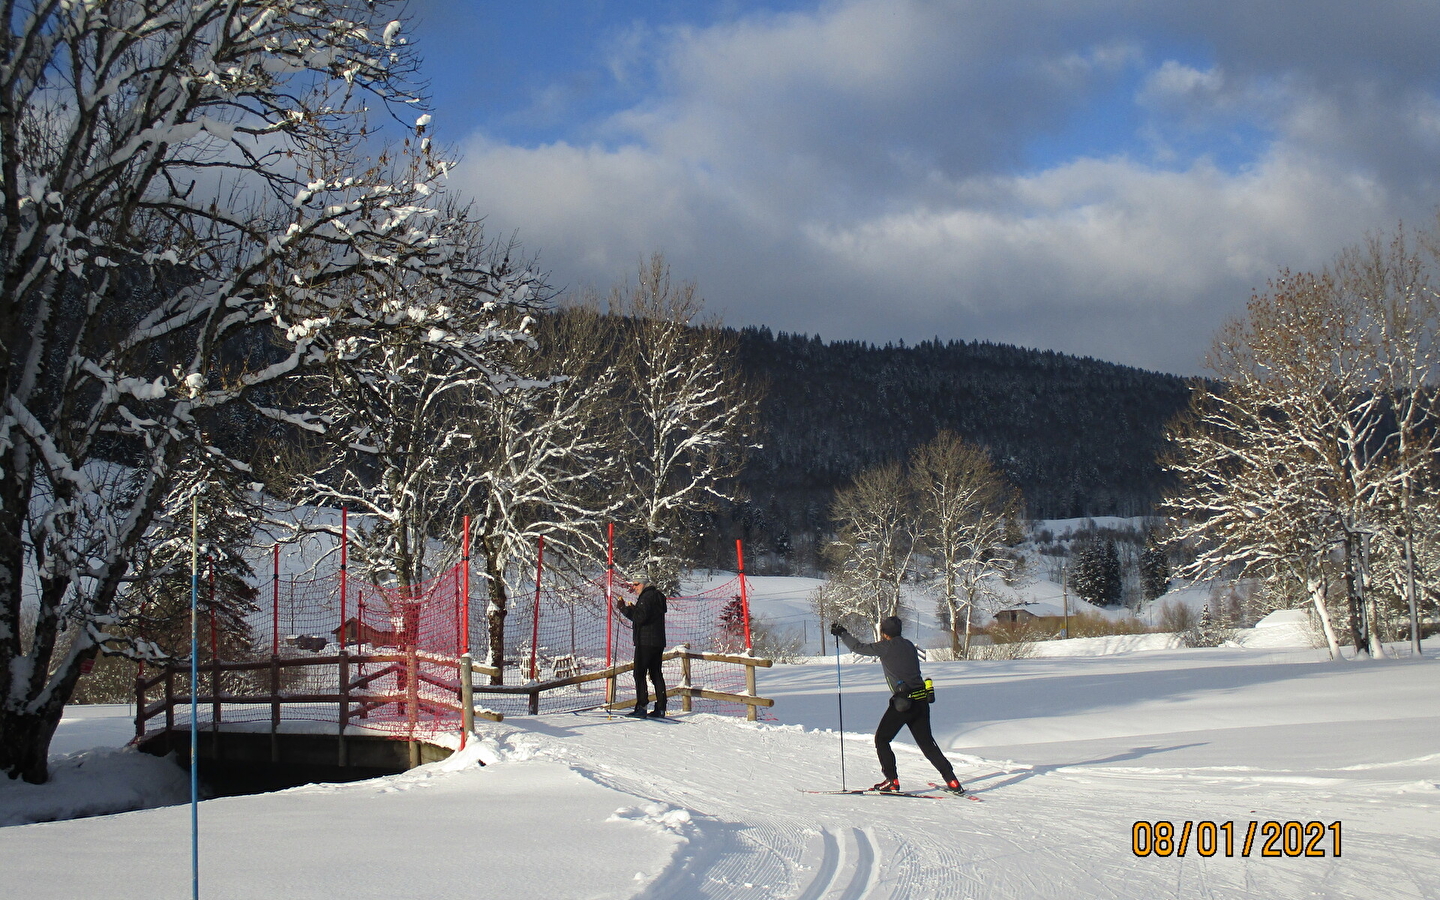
point(1078, 436)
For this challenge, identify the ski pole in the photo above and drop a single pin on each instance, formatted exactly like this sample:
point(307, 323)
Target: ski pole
point(840, 702)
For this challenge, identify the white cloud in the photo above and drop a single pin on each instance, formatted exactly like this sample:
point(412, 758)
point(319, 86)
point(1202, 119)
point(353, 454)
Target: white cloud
point(858, 172)
point(1176, 84)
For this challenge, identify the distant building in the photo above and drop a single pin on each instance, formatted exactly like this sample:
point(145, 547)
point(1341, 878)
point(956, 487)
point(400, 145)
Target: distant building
point(1015, 616)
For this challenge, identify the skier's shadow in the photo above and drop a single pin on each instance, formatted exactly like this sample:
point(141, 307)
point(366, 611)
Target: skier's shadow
point(1017, 777)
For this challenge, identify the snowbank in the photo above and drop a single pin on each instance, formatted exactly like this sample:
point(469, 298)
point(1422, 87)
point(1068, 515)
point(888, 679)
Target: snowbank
point(1282, 628)
point(1106, 645)
point(92, 783)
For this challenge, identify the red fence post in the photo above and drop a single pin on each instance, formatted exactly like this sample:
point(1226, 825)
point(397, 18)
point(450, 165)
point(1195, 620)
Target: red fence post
point(744, 596)
point(214, 629)
point(275, 605)
point(344, 564)
point(214, 658)
point(535, 625)
point(609, 593)
point(465, 589)
point(467, 674)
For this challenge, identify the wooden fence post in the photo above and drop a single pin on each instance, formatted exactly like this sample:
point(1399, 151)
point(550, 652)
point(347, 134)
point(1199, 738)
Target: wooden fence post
point(412, 687)
point(750, 691)
point(685, 681)
point(344, 717)
point(275, 708)
point(467, 697)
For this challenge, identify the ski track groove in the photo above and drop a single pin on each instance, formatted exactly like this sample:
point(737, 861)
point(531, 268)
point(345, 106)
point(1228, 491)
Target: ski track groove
point(824, 872)
point(863, 871)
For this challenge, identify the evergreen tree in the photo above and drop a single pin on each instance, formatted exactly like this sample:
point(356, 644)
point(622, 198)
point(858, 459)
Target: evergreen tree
point(1111, 582)
point(158, 599)
point(732, 625)
point(1154, 571)
point(1205, 633)
point(1095, 574)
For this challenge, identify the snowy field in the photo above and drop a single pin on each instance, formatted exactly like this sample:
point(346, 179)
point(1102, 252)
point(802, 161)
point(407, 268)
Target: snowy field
point(1067, 752)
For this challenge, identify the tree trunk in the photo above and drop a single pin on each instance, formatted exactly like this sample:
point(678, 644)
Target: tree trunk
point(1352, 598)
point(25, 744)
point(1372, 628)
point(495, 626)
point(1411, 594)
point(25, 736)
point(968, 608)
point(954, 626)
point(1369, 603)
point(1318, 590)
point(950, 605)
point(495, 614)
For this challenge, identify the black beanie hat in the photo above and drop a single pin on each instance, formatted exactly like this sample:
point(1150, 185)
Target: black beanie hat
point(890, 625)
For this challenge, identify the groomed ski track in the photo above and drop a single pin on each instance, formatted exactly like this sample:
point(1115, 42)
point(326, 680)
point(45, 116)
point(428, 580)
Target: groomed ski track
point(1057, 830)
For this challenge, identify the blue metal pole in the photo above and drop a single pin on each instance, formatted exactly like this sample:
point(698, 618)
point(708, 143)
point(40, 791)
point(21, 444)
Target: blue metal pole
point(840, 702)
point(195, 697)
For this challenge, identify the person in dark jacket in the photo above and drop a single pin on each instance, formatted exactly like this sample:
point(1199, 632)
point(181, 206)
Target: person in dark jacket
point(647, 622)
point(909, 703)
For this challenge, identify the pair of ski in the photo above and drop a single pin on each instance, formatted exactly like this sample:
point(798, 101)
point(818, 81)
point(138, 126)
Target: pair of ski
point(944, 793)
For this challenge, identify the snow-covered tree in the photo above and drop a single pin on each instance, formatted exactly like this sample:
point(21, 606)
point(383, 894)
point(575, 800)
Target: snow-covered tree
point(184, 216)
point(871, 555)
point(1396, 283)
point(395, 406)
point(1281, 462)
point(964, 506)
point(542, 460)
point(686, 414)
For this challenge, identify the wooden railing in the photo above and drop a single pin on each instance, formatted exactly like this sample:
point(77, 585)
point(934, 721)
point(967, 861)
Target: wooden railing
point(354, 699)
point(685, 690)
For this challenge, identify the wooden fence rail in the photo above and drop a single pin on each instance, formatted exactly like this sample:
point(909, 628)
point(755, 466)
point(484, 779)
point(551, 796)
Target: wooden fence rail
point(353, 699)
point(685, 690)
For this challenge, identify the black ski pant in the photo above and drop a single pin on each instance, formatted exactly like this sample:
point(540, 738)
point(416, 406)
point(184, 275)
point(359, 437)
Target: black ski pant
point(647, 663)
point(918, 718)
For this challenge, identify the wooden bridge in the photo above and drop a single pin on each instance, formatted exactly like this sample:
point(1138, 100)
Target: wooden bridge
point(377, 711)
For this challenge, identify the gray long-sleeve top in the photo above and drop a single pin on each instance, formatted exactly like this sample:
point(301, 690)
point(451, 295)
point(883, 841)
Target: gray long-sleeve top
point(897, 656)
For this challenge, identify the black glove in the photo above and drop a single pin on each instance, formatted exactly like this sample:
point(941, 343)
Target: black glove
point(837, 629)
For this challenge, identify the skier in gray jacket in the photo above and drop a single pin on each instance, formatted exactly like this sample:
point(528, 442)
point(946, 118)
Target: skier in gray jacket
point(908, 705)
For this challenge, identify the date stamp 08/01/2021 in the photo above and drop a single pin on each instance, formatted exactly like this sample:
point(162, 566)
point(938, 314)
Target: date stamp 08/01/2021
point(1261, 839)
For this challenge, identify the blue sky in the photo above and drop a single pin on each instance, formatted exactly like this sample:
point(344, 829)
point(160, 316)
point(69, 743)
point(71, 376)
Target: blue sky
point(1109, 178)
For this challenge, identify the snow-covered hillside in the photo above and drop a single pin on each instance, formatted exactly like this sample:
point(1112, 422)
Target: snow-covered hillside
point(1066, 753)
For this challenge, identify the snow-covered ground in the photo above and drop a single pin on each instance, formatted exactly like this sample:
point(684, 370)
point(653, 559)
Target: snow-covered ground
point(1066, 752)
